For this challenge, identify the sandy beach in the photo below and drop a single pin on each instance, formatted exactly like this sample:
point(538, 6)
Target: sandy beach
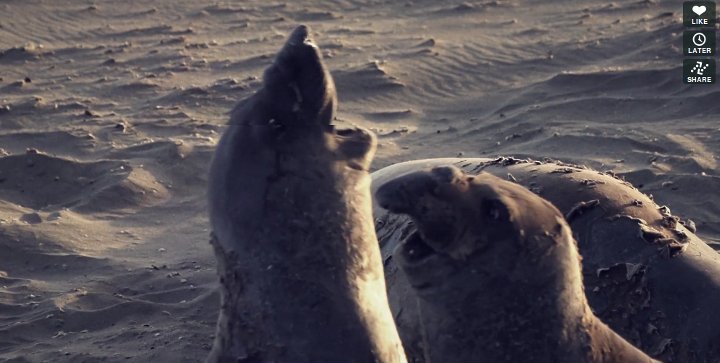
point(110, 111)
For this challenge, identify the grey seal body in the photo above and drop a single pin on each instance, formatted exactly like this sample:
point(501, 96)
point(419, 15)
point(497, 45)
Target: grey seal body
point(290, 209)
point(496, 272)
point(648, 277)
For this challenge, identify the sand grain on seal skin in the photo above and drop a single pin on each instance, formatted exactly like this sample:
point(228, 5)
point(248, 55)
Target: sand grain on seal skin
point(587, 82)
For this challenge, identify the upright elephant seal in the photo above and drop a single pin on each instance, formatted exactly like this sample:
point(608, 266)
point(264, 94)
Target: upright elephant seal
point(497, 273)
point(651, 279)
point(290, 208)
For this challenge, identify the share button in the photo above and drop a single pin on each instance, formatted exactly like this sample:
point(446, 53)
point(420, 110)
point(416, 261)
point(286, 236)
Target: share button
point(699, 71)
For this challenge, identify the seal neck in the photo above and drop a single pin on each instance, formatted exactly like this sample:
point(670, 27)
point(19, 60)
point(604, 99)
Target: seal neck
point(535, 308)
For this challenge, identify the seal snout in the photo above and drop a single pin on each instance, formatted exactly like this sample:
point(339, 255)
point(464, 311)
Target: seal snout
point(422, 194)
point(427, 197)
point(301, 35)
point(401, 195)
point(299, 89)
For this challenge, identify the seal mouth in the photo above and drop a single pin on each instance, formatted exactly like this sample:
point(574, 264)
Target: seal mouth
point(425, 268)
point(415, 255)
point(415, 249)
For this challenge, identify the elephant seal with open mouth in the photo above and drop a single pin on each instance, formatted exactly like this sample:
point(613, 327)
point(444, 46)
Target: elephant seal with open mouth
point(290, 209)
point(496, 272)
point(646, 275)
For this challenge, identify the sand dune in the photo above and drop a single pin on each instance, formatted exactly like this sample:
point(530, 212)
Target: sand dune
point(109, 112)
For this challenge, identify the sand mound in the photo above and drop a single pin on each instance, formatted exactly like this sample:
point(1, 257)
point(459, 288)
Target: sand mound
point(43, 182)
point(52, 142)
point(369, 80)
point(36, 255)
point(28, 52)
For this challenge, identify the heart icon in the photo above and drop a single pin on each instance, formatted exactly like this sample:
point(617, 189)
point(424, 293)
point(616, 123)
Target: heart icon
point(699, 9)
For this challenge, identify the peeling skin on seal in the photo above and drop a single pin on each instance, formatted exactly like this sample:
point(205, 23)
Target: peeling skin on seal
point(650, 234)
point(565, 170)
point(673, 248)
point(669, 247)
point(665, 211)
point(670, 221)
point(591, 183)
point(689, 224)
point(681, 234)
point(631, 270)
point(580, 209)
point(477, 169)
point(622, 296)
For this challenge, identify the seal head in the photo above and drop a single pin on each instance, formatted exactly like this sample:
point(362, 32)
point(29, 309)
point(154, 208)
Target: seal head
point(496, 272)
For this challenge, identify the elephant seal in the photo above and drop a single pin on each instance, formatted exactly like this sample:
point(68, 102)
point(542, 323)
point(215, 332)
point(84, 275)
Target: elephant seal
point(300, 272)
point(497, 273)
point(651, 279)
